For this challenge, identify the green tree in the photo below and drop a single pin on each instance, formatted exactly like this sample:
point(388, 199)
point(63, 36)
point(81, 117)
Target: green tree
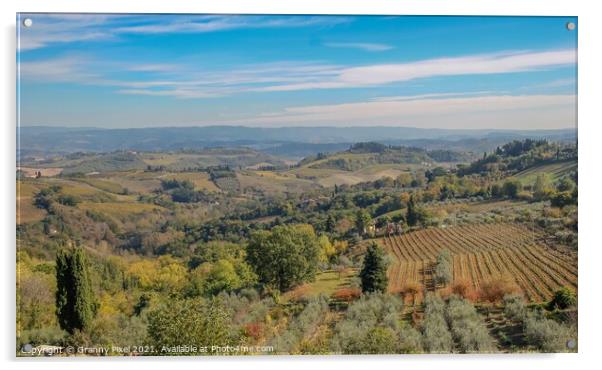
point(331, 224)
point(443, 269)
point(511, 188)
point(412, 213)
point(374, 272)
point(285, 256)
point(564, 198)
point(542, 187)
point(75, 301)
point(362, 221)
point(566, 184)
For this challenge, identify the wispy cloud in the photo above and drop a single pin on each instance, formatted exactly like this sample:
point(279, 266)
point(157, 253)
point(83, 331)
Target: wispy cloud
point(293, 76)
point(360, 46)
point(491, 111)
point(561, 82)
point(49, 29)
point(430, 96)
point(200, 24)
point(194, 81)
point(380, 74)
point(63, 69)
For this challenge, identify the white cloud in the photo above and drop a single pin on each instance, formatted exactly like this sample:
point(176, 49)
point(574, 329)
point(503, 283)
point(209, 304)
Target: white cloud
point(50, 29)
point(201, 24)
point(191, 81)
point(491, 111)
point(64, 69)
point(379, 74)
point(63, 28)
point(360, 45)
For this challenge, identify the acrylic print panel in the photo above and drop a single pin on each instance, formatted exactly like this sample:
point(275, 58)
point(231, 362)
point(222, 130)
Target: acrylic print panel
point(259, 185)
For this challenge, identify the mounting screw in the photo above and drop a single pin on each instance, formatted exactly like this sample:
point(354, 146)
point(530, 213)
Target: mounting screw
point(570, 26)
point(27, 22)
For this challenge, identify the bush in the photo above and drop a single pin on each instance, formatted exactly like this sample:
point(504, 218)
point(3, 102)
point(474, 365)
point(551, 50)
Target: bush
point(547, 335)
point(563, 299)
point(514, 307)
point(410, 340)
point(347, 294)
point(300, 326)
point(52, 336)
point(562, 199)
point(493, 291)
point(464, 289)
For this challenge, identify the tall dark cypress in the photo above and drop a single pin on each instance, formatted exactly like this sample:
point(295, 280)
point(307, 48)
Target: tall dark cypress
point(374, 272)
point(412, 216)
point(75, 301)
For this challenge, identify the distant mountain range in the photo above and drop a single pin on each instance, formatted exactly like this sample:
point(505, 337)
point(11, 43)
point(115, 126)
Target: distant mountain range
point(284, 141)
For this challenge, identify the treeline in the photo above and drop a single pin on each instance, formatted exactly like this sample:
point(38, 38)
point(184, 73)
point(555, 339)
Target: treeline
point(519, 155)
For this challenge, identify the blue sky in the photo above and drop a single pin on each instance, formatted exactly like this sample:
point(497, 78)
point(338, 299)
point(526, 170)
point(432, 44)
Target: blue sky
point(118, 71)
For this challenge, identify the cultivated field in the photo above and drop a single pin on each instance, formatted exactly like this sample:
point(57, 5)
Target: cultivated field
point(481, 253)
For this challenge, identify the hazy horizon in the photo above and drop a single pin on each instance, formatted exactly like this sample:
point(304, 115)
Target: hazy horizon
point(291, 127)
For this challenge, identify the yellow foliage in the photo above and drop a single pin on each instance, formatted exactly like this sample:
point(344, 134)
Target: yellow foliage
point(327, 250)
point(164, 273)
point(340, 246)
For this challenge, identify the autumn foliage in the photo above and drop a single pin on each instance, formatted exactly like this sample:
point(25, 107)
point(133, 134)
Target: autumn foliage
point(464, 289)
point(347, 294)
point(493, 291)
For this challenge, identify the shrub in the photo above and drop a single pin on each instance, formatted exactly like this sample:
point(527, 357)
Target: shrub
point(563, 299)
point(514, 307)
point(347, 294)
point(493, 291)
point(410, 340)
point(547, 335)
point(301, 325)
point(562, 199)
point(464, 289)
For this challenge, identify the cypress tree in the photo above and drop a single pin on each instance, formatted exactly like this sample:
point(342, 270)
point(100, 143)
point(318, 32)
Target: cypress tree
point(75, 301)
point(374, 272)
point(412, 215)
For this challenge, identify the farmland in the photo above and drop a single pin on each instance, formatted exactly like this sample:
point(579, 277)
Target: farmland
point(482, 252)
point(284, 249)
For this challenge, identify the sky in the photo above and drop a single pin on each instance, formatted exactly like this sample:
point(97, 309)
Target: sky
point(124, 71)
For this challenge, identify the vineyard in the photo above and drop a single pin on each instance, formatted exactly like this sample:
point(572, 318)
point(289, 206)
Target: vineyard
point(482, 252)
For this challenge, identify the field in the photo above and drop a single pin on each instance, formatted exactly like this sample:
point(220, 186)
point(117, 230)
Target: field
point(119, 209)
point(328, 177)
point(554, 170)
point(26, 211)
point(326, 283)
point(480, 253)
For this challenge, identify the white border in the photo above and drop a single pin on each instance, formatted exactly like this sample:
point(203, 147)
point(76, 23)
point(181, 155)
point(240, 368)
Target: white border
point(590, 142)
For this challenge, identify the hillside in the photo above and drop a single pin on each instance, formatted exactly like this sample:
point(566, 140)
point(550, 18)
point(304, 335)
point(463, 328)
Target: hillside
point(284, 141)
